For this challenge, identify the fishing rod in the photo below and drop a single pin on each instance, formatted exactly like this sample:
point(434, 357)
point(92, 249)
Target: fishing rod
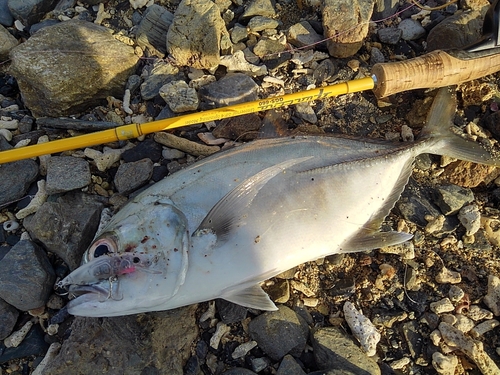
point(435, 69)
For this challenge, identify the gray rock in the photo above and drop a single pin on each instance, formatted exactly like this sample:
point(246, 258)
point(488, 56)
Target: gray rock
point(26, 276)
point(161, 74)
point(260, 23)
point(231, 89)
point(264, 8)
point(7, 43)
point(334, 350)
point(306, 112)
point(179, 96)
point(302, 34)
point(350, 15)
point(390, 35)
point(238, 33)
point(279, 332)
point(266, 48)
point(451, 198)
point(376, 56)
point(6, 18)
point(289, 366)
point(325, 70)
point(230, 312)
point(131, 176)
point(239, 371)
point(152, 31)
point(414, 204)
point(66, 173)
point(243, 128)
point(133, 83)
point(66, 227)
point(153, 343)
point(411, 29)
point(414, 339)
point(456, 31)
point(196, 34)
point(54, 83)
point(30, 11)
point(15, 179)
point(8, 318)
point(145, 149)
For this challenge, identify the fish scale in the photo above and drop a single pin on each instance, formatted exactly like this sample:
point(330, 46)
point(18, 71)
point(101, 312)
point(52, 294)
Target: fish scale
point(224, 224)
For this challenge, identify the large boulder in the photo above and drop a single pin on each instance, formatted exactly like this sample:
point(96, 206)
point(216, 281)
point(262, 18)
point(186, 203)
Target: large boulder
point(71, 66)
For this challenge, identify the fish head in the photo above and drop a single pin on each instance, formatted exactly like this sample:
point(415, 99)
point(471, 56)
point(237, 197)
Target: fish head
point(137, 262)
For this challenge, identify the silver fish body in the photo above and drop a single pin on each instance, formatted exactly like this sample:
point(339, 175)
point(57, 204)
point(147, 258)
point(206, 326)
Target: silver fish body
point(223, 225)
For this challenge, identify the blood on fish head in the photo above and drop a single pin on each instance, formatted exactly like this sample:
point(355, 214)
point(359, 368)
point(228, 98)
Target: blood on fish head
point(138, 261)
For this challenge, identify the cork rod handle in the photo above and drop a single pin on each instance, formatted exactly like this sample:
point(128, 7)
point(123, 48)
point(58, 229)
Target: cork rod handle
point(435, 69)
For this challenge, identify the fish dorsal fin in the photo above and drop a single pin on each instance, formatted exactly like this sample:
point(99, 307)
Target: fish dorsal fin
point(253, 297)
point(370, 237)
point(230, 210)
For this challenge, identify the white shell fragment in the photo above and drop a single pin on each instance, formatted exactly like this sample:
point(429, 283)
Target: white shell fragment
point(10, 225)
point(17, 337)
point(220, 331)
point(49, 356)
point(484, 327)
point(37, 201)
point(237, 63)
point(492, 298)
point(243, 349)
point(362, 328)
point(126, 102)
point(470, 347)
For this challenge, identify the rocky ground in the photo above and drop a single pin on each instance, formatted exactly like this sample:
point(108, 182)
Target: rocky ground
point(434, 301)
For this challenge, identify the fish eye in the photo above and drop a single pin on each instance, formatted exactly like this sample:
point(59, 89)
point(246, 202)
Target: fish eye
point(102, 246)
point(101, 250)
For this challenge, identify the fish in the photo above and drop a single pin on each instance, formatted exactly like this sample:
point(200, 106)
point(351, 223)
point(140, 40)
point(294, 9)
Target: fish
point(223, 225)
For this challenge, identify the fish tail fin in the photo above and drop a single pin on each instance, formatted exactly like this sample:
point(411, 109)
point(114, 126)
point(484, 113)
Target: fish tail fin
point(439, 127)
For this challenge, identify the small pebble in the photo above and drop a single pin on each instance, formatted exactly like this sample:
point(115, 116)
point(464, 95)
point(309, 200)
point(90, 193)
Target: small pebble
point(49, 356)
point(406, 250)
point(446, 276)
point(484, 327)
point(456, 293)
point(470, 217)
point(37, 201)
point(442, 306)
point(243, 349)
point(400, 363)
point(477, 313)
point(463, 323)
point(444, 364)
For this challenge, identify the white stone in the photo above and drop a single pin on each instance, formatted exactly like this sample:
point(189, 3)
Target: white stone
point(444, 364)
point(470, 217)
point(49, 356)
point(243, 349)
point(442, 306)
point(362, 328)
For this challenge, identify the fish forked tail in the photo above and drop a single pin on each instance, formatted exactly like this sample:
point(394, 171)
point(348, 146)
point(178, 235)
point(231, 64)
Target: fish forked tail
point(438, 128)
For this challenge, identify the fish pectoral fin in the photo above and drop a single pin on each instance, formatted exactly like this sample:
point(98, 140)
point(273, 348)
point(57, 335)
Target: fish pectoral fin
point(253, 297)
point(374, 240)
point(231, 209)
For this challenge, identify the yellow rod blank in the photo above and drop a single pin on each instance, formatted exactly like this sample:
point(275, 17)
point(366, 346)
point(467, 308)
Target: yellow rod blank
point(135, 130)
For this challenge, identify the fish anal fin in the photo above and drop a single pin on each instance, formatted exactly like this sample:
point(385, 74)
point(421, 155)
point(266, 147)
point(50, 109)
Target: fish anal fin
point(374, 240)
point(253, 297)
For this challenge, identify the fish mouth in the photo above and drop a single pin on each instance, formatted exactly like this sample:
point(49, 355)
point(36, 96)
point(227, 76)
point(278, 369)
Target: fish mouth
point(99, 292)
